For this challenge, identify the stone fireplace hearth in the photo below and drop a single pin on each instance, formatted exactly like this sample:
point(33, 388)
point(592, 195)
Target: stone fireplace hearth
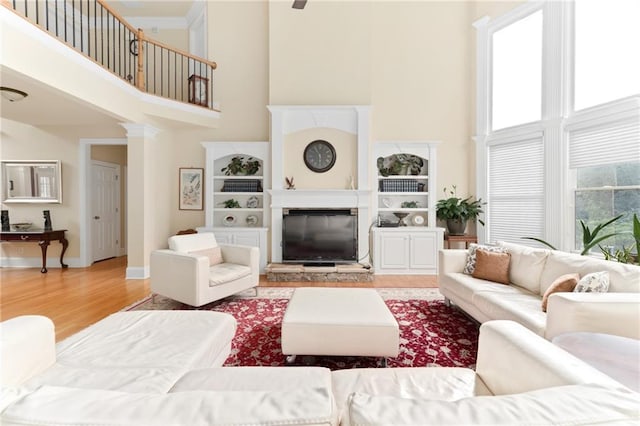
point(286, 120)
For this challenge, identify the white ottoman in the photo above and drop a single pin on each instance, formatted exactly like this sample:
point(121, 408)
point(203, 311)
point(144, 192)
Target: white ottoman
point(339, 321)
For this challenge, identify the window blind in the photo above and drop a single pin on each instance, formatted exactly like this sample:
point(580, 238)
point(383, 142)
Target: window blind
point(516, 191)
point(608, 143)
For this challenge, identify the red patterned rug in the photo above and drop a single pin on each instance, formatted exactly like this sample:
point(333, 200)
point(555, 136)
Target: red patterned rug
point(431, 334)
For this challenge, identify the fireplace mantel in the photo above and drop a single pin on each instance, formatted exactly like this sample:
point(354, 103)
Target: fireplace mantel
point(303, 198)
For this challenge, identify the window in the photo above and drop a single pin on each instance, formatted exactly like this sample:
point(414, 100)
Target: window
point(607, 51)
point(516, 190)
point(604, 192)
point(569, 71)
point(517, 71)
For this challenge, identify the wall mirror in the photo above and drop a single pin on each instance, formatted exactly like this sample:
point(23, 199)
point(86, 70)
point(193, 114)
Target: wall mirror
point(31, 182)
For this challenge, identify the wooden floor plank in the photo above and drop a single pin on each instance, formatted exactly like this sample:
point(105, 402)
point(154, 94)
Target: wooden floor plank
point(75, 298)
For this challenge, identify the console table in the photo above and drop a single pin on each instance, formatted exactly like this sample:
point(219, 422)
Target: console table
point(466, 239)
point(43, 238)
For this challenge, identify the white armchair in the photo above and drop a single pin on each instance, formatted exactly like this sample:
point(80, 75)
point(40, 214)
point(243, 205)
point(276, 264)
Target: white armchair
point(195, 270)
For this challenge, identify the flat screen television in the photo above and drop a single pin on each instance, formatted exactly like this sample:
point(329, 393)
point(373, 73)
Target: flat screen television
point(320, 236)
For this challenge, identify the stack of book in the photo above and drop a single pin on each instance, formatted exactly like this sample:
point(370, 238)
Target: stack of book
point(399, 185)
point(242, 185)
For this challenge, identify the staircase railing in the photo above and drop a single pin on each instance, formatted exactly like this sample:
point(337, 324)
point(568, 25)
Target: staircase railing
point(92, 28)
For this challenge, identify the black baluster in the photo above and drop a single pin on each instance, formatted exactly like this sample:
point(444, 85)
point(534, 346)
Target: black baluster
point(56, 17)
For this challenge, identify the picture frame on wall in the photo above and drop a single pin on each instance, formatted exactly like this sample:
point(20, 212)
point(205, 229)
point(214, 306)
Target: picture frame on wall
point(191, 187)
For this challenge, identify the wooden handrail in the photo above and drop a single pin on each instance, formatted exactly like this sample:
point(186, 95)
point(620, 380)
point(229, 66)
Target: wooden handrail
point(116, 59)
point(183, 53)
point(142, 37)
point(117, 16)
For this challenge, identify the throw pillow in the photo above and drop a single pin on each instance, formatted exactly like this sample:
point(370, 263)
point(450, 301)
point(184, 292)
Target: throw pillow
point(492, 266)
point(595, 282)
point(566, 283)
point(214, 254)
point(471, 255)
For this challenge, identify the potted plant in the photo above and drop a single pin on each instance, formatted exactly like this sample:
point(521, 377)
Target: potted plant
point(400, 164)
point(241, 166)
point(458, 211)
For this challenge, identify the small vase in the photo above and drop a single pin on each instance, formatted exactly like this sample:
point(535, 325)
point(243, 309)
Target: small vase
point(456, 226)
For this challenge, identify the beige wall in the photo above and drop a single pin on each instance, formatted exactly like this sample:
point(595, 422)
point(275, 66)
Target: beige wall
point(421, 80)
point(239, 44)
point(320, 55)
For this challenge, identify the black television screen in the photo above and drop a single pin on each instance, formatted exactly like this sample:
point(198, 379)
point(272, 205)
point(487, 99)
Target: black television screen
point(320, 236)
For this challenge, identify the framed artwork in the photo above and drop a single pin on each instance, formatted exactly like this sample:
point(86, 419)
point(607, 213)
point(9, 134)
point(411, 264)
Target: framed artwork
point(191, 186)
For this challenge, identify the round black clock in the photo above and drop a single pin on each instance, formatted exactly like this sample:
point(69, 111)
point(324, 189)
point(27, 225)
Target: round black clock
point(319, 156)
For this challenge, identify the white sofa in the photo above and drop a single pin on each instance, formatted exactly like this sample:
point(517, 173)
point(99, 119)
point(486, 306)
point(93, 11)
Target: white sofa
point(531, 272)
point(184, 272)
point(520, 378)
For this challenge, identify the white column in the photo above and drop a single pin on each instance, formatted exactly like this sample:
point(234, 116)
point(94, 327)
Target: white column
point(140, 200)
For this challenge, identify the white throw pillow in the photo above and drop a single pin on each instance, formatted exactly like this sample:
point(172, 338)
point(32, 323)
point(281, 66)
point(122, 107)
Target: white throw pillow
point(595, 282)
point(471, 255)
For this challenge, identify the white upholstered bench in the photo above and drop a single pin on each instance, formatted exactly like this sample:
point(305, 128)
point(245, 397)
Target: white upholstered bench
point(339, 321)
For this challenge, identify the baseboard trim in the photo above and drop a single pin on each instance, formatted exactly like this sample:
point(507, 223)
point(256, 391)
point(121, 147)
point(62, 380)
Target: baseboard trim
point(36, 262)
point(137, 273)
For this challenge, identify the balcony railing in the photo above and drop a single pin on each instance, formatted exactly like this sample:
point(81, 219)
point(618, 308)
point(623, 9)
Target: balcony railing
point(92, 28)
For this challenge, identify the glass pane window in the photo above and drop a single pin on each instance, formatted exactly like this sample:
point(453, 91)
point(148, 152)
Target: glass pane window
point(517, 73)
point(607, 42)
point(604, 192)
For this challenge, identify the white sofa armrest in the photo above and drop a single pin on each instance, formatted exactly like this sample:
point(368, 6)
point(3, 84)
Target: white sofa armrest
point(28, 347)
point(609, 313)
point(241, 255)
point(171, 268)
point(513, 359)
point(451, 260)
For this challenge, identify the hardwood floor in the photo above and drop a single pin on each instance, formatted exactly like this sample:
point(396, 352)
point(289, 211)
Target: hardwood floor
point(75, 298)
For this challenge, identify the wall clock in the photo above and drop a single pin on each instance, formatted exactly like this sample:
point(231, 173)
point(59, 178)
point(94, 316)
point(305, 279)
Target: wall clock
point(319, 156)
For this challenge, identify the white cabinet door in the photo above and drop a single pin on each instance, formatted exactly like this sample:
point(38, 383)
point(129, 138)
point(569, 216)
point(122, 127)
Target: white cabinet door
point(393, 249)
point(424, 250)
point(407, 250)
point(224, 237)
point(247, 239)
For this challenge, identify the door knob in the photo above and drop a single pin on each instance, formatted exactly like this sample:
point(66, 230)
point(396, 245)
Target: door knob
point(96, 217)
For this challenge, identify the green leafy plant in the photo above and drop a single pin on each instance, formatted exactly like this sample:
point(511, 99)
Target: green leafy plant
point(399, 164)
point(241, 166)
point(231, 204)
point(590, 237)
point(625, 254)
point(622, 255)
point(458, 208)
point(409, 204)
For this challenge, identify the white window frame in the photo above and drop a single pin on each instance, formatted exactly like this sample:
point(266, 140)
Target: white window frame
point(557, 114)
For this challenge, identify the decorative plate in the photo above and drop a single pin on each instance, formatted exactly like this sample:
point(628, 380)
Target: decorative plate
point(386, 202)
point(418, 220)
point(253, 202)
point(252, 220)
point(229, 220)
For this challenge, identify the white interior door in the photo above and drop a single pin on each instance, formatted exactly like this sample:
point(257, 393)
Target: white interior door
point(105, 209)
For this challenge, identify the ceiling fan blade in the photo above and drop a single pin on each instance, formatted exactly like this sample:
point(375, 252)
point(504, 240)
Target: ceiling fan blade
point(299, 4)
